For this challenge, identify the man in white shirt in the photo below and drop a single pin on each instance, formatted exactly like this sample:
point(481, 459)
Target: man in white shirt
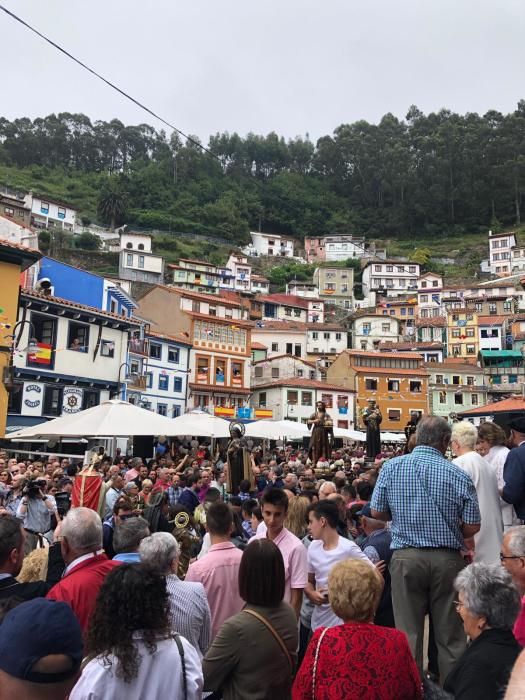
point(487, 542)
point(114, 491)
point(327, 549)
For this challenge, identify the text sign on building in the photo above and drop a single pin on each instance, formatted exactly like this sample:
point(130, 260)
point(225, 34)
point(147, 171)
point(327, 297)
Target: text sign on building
point(72, 399)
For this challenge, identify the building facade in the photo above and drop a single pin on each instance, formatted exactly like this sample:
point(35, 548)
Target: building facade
point(137, 262)
point(271, 244)
point(336, 284)
point(50, 213)
point(166, 375)
point(454, 387)
point(370, 329)
point(283, 367)
point(389, 278)
point(501, 246)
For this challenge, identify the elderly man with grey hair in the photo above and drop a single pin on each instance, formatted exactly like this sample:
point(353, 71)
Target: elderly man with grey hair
point(487, 542)
point(127, 537)
point(80, 537)
point(513, 559)
point(433, 507)
point(189, 610)
point(487, 603)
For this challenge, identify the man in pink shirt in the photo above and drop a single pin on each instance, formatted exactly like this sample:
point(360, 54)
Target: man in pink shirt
point(274, 506)
point(513, 559)
point(218, 570)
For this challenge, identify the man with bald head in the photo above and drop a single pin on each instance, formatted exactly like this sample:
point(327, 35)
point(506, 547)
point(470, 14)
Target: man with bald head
point(326, 488)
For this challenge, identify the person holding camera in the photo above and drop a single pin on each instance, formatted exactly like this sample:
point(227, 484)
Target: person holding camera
point(36, 510)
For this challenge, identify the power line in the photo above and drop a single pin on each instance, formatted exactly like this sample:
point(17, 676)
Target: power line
point(105, 80)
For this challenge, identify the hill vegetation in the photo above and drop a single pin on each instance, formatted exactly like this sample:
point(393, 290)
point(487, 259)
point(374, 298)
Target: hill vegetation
point(432, 177)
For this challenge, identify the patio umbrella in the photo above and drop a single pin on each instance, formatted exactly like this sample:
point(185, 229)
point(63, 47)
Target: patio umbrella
point(113, 418)
point(392, 437)
point(200, 424)
point(349, 434)
point(276, 429)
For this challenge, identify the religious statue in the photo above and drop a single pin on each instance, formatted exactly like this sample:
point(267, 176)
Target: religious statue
point(322, 433)
point(239, 464)
point(371, 416)
point(89, 489)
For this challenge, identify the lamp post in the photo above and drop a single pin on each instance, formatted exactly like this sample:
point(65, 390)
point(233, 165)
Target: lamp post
point(124, 364)
point(31, 346)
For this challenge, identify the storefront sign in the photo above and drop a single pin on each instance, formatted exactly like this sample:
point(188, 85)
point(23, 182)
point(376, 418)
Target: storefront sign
point(72, 399)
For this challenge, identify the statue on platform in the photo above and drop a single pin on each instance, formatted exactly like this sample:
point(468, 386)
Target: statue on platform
point(239, 464)
point(322, 434)
point(372, 418)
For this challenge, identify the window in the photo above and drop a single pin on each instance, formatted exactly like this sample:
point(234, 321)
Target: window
point(141, 264)
point(292, 398)
point(423, 285)
point(44, 208)
point(258, 372)
point(367, 327)
point(275, 372)
point(456, 350)
point(442, 397)
point(287, 311)
point(471, 349)
point(149, 380)
point(328, 400)
point(134, 367)
point(129, 259)
point(403, 312)
point(439, 379)
point(289, 348)
point(393, 385)
point(297, 351)
point(412, 268)
point(306, 398)
point(107, 348)
point(400, 268)
point(456, 379)
point(173, 354)
point(493, 309)
point(163, 382)
point(424, 298)
point(435, 283)
point(202, 369)
point(90, 398)
point(155, 351)
point(196, 306)
point(326, 336)
point(474, 399)
point(470, 381)
point(176, 411)
point(458, 398)
point(415, 386)
point(15, 398)
point(377, 268)
point(456, 333)
point(140, 246)
point(177, 384)
point(9, 211)
point(52, 401)
point(78, 337)
point(371, 384)
point(61, 212)
point(162, 409)
point(513, 378)
point(129, 245)
point(315, 335)
point(262, 399)
point(385, 327)
point(394, 415)
point(275, 347)
point(390, 268)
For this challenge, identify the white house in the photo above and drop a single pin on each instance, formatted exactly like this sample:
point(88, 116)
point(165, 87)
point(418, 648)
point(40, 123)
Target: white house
point(389, 278)
point(501, 246)
point(287, 307)
point(370, 329)
point(68, 357)
point(302, 289)
point(429, 293)
point(328, 339)
point(283, 367)
point(260, 285)
point(491, 330)
point(271, 244)
point(50, 213)
point(295, 398)
point(137, 262)
point(241, 271)
point(281, 337)
point(166, 375)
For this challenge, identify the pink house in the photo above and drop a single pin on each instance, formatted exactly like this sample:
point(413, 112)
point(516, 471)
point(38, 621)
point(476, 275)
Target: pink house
point(315, 249)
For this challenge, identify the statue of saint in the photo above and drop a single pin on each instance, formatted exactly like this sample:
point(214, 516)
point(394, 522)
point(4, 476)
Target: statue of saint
point(239, 463)
point(322, 432)
point(372, 418)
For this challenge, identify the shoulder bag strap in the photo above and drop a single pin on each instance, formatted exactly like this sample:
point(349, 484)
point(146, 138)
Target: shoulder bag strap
point(176, 637)
point(275, 634)
point(314, 671)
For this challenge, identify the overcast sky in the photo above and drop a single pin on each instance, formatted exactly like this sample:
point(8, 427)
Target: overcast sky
point(292, 66)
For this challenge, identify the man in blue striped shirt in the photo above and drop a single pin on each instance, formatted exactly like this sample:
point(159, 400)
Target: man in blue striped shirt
point(433, 507)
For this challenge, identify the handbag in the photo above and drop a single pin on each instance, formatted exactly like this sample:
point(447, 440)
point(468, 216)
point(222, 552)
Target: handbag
point(314, 670)
point(276, 636)
point(176, 637)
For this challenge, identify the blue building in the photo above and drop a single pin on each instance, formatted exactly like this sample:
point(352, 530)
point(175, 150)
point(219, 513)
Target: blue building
point(166, 375)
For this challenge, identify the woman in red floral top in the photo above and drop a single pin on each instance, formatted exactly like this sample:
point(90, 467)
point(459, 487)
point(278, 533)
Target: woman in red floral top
point(357, 660)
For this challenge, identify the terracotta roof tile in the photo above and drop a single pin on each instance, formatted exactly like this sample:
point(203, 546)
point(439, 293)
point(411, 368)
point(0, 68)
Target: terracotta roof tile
point(514, 404)
point(278, 357)
point(296, 382)
point(383, 355)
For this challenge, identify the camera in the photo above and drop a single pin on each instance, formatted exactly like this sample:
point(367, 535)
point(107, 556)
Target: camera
point(33, 488)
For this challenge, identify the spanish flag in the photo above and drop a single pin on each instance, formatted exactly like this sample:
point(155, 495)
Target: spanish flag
point(43, 354)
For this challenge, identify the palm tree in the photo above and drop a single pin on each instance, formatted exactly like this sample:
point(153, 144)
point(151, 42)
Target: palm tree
point(112, 202)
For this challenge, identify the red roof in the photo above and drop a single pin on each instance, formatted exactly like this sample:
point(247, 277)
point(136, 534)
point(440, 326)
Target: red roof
point(16, 246)
point(75, 305)
point(278, 357)
point(166, 336)
point(434, 322)
point(454, 366)
point(194, 295)
point(298, 383)
point(220, 319)
point(258, 346)
point(287, 300)
point(283, 326)
point(492, 320)
point(513, 405)
point(435, 345)
point(382, 355)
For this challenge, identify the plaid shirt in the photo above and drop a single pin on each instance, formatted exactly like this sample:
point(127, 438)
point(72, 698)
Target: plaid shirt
point(173, 495)
point(428, 498)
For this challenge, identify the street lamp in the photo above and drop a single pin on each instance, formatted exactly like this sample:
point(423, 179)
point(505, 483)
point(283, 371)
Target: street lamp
point(8, 374)
point(124, 364)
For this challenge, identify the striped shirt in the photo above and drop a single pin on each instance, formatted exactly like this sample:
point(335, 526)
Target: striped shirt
point(428, 498)
point(189, 612)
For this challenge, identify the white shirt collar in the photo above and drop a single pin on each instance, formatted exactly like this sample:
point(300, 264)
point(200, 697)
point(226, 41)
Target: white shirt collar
point(79, 560)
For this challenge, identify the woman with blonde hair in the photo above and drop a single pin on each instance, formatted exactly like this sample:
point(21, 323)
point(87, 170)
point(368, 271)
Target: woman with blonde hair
point(357, 659)
point(297, 516)
point(492, 445)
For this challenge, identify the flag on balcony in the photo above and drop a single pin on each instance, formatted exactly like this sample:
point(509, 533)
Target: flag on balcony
point(42, 354)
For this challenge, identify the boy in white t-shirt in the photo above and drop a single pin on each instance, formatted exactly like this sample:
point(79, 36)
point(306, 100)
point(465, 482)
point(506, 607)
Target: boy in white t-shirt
point(327, 548)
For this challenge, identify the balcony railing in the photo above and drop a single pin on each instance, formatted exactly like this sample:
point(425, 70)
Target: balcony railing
point(139, 346)
point(136, 381)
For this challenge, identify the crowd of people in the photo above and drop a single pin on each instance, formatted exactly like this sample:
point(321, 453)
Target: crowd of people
point(397, 578)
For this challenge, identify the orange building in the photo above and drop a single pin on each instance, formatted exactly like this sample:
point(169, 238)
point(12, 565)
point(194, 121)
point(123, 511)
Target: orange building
point(398, 382)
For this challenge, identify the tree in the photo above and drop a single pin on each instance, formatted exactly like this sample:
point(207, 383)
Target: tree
point(112, 202)
point(87, 241)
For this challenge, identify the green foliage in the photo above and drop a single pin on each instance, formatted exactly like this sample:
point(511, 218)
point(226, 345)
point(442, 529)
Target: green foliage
point(113, 201)
point(281, 274)
point(421, 256)
point(87, 241)
point(44, 240)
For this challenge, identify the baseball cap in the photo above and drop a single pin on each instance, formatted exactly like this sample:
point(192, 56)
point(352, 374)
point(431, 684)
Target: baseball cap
point(518, 424)
point(365, 510)
point(36, 629)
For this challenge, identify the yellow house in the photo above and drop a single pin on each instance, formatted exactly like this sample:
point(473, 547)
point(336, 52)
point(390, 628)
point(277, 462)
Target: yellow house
point(14, 259)
point(462, 334)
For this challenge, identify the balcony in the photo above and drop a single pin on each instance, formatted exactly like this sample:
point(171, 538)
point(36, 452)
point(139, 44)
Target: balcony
point(136, 381)
point(138, 346)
